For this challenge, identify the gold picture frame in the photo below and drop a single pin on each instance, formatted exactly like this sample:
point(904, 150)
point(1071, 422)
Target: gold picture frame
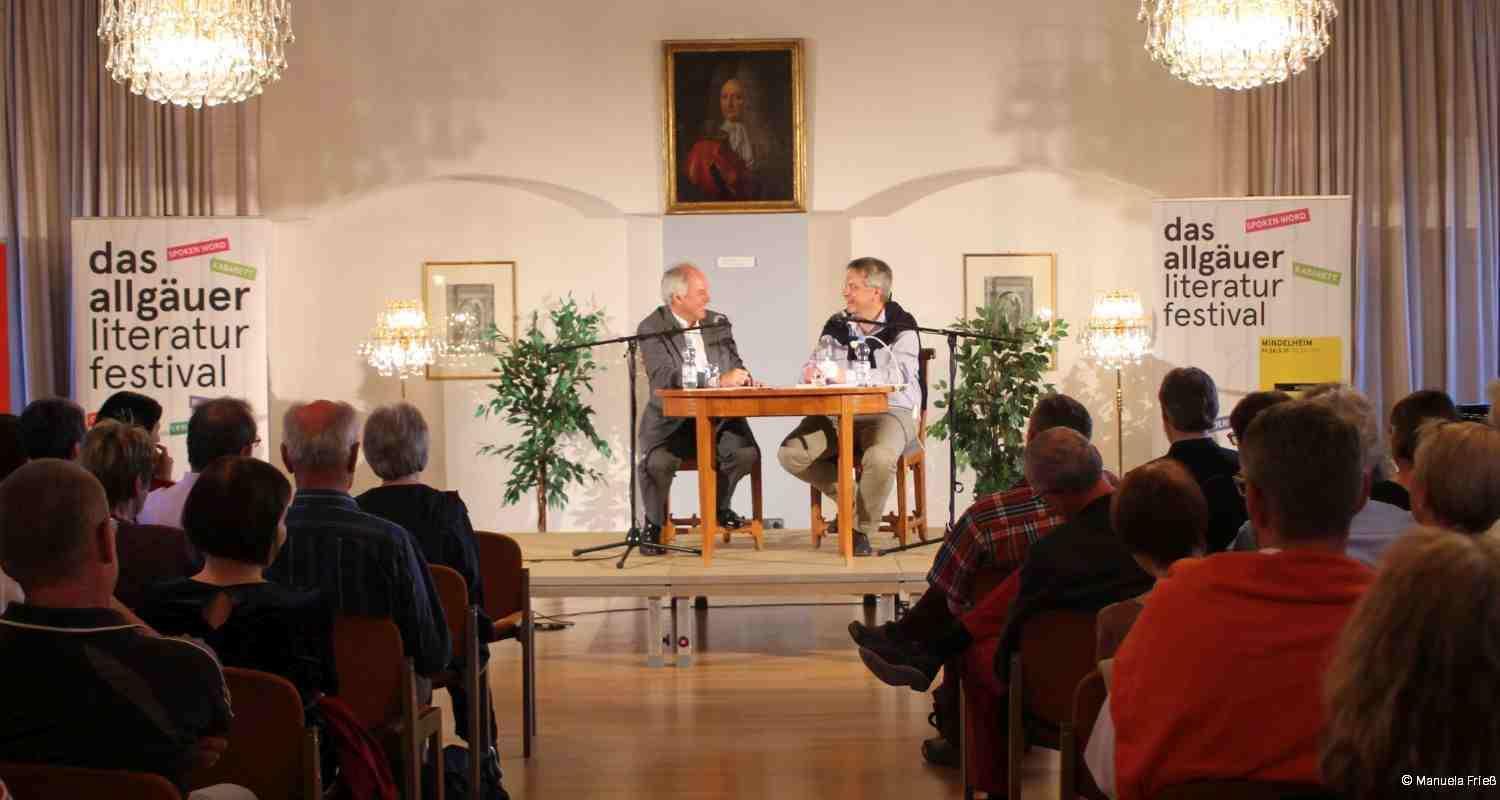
point(462, 300)
point(734, 136)
point(1027, 280)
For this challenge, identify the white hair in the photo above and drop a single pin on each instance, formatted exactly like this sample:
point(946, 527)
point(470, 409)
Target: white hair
point(396, 441)
point(327, 448)
point(1356, 409)
point(674, 281)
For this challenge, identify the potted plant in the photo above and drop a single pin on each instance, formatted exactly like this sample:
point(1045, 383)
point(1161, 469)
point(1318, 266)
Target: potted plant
point(539, 390)
point(999, 381)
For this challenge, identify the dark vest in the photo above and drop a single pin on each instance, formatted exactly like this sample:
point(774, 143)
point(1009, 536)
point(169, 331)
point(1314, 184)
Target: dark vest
point(897, 322)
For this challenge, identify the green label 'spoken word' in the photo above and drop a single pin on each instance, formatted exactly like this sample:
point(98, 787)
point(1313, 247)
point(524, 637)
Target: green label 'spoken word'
point(225, 267)
point(1318, 274)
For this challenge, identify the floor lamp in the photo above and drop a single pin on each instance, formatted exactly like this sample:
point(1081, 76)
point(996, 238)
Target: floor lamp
point(401, 344)
point(1118, 334)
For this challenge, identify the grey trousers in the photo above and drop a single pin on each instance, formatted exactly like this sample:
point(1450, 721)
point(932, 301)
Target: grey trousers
point(810, 452)
point(736, 457)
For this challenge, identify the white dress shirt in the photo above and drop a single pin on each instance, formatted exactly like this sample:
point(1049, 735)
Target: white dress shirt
point(694, 340)
point(164, 506)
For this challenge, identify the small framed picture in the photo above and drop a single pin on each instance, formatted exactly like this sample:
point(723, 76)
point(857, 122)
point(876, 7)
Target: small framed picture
point(1022, 284)
point(465, 301)
point(734, 129)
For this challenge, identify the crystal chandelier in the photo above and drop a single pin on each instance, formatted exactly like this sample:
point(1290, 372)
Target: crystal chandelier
point(1236, 44)
point(401, 344)
point(1119, 331)
point(196, 52)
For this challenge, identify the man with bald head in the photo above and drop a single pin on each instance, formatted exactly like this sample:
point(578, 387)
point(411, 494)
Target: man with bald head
point(363, 564)
point(82, 684)
point(664, 442)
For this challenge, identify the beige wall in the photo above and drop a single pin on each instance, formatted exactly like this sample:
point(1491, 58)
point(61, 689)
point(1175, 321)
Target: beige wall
point(462, 129)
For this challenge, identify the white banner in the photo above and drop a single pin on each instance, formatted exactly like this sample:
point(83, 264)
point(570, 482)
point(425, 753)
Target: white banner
point(1258, 292)
point(173, 308)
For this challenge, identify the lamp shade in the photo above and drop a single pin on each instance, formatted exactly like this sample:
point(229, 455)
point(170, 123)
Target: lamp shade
point(1119, 332)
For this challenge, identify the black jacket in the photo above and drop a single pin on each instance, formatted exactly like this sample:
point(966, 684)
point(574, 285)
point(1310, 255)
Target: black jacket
point(1214, 468)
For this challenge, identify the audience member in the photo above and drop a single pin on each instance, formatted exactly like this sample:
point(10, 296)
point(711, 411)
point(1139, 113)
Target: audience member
point(1456, 480)
point(1220, 676)
point(1244, 413)
point(12, 445)
point(134, 408)
point(1189, 411)
point(1414, 685)
point(82, 686)
point(993, 535)
point(396, 441)
point(223, 426)
point(1407, 416)
point(1160, 515)
point(52, 428)
point(363, 564)
point(1377, 524)
point(236, 516)
point(122, 458)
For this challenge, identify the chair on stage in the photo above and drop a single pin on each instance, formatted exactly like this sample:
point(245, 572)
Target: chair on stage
point(908, 517)
point(507, 602)
point(379, 684)
point(463, 630)
point(47, 782)
point(678, 526)
point(272, 750)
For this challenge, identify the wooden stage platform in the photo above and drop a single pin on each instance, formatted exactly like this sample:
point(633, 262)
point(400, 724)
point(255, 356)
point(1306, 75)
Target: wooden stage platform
point(789, 566)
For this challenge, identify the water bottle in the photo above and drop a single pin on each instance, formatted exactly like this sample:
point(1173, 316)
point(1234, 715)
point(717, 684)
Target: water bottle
point(828, 361)
point(689, 367)
point(861, 363)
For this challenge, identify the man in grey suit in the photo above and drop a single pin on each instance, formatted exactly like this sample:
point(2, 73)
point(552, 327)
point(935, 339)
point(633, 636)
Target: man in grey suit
point(666, 441)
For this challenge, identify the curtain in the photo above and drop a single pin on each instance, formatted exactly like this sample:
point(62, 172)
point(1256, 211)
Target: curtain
point(78, 144)
point(1403, 113)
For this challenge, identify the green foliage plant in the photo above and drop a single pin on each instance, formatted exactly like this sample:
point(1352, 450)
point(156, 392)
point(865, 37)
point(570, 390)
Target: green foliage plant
point(998, 384)
point(540, 391)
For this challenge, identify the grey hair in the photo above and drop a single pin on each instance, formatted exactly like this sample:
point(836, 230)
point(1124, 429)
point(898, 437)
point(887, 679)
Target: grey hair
point(396, 441)
point(1357, 409)
point(327, 448)
point(877, 274)
point(674, 281)
point(1062, 460)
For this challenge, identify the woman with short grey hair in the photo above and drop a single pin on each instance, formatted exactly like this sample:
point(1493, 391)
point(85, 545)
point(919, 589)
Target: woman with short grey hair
point(396, 441)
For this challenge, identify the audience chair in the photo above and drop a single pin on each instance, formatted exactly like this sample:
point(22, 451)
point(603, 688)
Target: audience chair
point(1244, 790)
point(463, 629)
point(44, 782)
point(507, 601)
point(678, 526)
point(272, 750)
point(1088, 700)
point(1055, 653)
point(908, 517)
point(379, 684)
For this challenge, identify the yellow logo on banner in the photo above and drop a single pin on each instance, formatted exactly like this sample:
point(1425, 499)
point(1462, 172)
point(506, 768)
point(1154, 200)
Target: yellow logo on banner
point(1294, 363)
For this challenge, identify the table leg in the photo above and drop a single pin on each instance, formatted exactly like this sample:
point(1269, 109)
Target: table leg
point(846, 485)
point(655, 638)
point(707, 486)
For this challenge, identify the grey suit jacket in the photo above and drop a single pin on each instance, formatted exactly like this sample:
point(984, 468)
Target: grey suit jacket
point(663, 357)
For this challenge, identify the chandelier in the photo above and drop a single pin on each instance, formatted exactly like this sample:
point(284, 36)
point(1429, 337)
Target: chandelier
point(1236, 44)
point(196, 52)
point(1119, 331)
point(401, 344)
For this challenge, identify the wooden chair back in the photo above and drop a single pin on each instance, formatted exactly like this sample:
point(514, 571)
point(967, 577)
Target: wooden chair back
point(46, 782)
point(1056, 650)
point(1088, 700)
point(924, 357)
point(505, 589)
point(1243, 790)
point(272, 751)
point(368, 654)
point(453, 594)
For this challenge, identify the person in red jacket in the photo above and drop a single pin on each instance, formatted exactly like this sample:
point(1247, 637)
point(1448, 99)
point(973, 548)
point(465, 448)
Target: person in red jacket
point(1220, 677)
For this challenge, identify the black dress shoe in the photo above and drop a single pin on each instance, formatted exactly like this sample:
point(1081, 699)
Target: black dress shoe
point(862, 545)
point(730, 520)
point(650, 538)
point(900, 663)
point(865, 636)
point(940, 752)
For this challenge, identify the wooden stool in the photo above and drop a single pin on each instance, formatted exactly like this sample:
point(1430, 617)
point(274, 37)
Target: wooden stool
point(683, 525)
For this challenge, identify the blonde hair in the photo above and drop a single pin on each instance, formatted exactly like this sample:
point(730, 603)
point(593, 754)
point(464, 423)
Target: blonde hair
point(1457, 474)
point(121, 456)
point(1414, 684)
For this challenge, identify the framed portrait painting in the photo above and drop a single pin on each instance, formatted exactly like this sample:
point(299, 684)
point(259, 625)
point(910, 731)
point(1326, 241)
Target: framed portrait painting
point(464, 300)
point(1022, 284)
point(734, 133)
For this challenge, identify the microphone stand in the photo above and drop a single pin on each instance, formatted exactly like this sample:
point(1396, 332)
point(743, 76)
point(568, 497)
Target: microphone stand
point(952, 336)
point(633, 537)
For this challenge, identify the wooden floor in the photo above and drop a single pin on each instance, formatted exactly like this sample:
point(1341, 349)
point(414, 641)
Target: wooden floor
point(777, 705)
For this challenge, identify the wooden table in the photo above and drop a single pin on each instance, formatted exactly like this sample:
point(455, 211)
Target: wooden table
point(706, 405)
